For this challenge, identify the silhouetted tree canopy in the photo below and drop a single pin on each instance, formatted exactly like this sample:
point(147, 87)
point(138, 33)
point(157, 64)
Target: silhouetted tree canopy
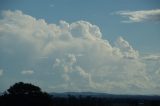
point(25, 94)
point(23, 88)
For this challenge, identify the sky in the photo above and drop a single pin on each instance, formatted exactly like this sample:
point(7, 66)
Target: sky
point(109, 46)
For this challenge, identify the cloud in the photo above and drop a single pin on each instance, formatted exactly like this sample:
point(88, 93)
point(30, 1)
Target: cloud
point(126, 49)
point(27, 72)
point(152, 57)
point(158, 72)
point(71, 57)
point(141, 15)
point(51, 5)
point(1, 72)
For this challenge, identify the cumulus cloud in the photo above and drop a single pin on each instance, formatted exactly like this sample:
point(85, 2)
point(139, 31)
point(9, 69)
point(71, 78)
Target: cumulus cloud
point(27, 72)
point(74, 76)
point(141, 15)
point(1, 72)
point(126, 49)
point(71, 56)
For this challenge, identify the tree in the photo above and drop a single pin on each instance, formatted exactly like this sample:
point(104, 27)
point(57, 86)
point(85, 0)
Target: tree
point(23, 88)
point(25, 94)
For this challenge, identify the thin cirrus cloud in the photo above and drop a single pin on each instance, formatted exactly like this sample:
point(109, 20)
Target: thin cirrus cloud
point(72, 57)
point(27, 72)
point(140, 15)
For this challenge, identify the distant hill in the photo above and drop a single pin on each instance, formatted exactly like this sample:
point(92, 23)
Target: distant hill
point(103, 99)
point(106, 95)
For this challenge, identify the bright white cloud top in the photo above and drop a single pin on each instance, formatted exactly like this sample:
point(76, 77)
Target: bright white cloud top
point(141, 15)
point(72, 57)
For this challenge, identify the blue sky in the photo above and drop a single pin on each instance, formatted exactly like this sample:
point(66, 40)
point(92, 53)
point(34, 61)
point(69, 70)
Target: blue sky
point(89, 43)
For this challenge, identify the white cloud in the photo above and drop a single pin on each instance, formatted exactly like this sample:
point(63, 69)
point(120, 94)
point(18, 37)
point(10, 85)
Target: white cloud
point(1, 72)
point(141, 15)
point(126, 49)
point(76, 56)
point(27, 72)
point(152, 57)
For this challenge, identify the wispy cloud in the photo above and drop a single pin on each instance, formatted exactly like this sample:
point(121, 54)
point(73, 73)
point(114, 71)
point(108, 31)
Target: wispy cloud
point(27, 72)
point(51, 5)
point(1, 72)
point(152, 57)
point(140, 16)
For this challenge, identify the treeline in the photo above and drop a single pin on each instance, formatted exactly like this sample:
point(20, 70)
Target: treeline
point(102, 101)
point(24, 94)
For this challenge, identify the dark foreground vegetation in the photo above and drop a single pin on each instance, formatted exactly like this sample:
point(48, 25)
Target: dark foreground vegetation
point(106, 101)
point(24, 94)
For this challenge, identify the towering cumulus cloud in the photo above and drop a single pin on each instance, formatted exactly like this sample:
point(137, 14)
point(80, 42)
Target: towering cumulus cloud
point(71, 57)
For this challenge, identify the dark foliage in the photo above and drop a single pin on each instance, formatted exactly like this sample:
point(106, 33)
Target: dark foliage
point(23, 88)
point(103, 101)
point(24, 94)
